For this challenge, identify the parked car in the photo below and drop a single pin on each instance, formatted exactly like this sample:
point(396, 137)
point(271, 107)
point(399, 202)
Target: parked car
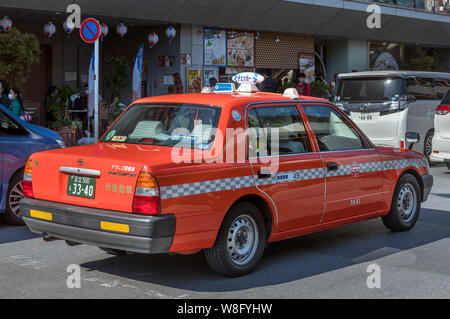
point(441, 139)
point(387, 104)
point(164, 178)
point(19, 139)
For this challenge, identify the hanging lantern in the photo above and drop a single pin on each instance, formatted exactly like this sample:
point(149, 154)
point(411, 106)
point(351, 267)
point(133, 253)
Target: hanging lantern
point(105, 30)
point(6, 24)
point(121, 29)
point(153, 39)
point(171, 33)
point(49, 29)
point(68, 26)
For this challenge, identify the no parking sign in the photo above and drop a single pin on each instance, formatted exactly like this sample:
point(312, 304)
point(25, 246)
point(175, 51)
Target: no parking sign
point(90, 30)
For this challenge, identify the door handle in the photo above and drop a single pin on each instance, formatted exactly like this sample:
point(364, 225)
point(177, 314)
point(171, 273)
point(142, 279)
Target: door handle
point(264, 174)
point(333, 166)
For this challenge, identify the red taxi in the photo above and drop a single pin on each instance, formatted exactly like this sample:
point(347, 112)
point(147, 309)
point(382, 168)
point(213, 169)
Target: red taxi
point(164, 178)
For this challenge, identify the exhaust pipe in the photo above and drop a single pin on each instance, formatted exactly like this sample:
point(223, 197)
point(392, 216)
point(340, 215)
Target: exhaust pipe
point(49, 238)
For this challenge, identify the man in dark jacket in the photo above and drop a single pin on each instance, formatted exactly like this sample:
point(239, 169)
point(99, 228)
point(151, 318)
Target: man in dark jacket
point(269, 84)
point(4, 91)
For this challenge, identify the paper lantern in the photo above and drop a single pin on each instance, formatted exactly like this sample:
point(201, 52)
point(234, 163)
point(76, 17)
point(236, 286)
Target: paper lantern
point(153, 39)
point(121, 29)
point(68, 26)
point(6, 24)
point(49, 29)
point(105, 30)
point(171, 33)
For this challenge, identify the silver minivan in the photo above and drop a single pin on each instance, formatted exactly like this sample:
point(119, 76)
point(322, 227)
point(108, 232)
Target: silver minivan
point(387, 104)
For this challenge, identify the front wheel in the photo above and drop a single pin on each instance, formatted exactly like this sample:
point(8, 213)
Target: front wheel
point(240, 242)
point(405, 205)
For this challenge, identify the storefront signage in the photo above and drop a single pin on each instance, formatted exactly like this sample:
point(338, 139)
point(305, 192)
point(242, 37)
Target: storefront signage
point(241, 49)
point(214, 47)
point(306, 61)
point(194, 80)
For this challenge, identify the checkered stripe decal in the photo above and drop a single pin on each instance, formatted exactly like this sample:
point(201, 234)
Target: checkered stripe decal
point(400, 164)
point(225, 184)
point(215, 185)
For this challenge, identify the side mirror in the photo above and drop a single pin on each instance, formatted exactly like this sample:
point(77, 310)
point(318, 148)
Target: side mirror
point(411, 98)
point(412, 138)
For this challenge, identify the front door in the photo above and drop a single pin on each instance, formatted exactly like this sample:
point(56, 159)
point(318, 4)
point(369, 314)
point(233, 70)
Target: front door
point(284, 165)
point(354, 170)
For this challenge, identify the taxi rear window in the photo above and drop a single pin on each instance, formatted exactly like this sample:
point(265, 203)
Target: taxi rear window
point(181, 125)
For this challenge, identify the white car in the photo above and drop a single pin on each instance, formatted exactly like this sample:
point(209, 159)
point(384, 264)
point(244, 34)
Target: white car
point(441, 139)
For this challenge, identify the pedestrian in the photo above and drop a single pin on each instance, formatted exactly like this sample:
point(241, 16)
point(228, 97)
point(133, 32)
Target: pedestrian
point(177, 87)
point(302, 87)
point(212, 82)
point(269, 84)
point(4, 91)
point(16, 102)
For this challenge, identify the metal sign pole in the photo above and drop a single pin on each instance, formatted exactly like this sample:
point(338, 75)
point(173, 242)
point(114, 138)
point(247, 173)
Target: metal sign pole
point(96, 57)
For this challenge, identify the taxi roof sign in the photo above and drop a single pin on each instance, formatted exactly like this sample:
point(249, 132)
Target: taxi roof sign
point(224, 88)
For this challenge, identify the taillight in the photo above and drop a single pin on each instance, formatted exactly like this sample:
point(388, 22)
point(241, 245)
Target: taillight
point(146, 196)
point(402, 144)
point(443, 109)
point(27, 185)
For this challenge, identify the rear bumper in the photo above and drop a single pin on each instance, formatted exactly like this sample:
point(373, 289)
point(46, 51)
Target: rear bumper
point(145, 234)
point(427, 181)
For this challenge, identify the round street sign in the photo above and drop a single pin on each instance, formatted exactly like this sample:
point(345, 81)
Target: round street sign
point(90, 30)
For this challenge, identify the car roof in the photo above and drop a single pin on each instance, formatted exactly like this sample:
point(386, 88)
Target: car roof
point(223, 99)
point(405, 74)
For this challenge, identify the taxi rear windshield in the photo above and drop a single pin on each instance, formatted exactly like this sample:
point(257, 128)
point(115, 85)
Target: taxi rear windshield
point(181, 125)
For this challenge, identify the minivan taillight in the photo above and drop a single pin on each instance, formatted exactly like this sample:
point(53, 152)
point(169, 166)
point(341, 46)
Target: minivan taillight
point(27, 184)
point(443, 109)
point(146, 196)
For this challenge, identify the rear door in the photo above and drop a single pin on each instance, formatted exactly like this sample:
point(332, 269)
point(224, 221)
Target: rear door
point(290, 173)
point(354, 170)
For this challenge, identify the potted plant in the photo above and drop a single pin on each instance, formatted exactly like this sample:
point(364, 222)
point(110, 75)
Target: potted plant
point(319, 89)
point(58, 106)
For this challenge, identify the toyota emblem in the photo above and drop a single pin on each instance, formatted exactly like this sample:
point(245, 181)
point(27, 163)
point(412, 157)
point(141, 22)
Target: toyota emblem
point(80, 162)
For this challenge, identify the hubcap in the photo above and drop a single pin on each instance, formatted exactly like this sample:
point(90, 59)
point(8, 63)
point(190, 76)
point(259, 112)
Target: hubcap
point(14, 198)
point(407, 203)
point(242, 240)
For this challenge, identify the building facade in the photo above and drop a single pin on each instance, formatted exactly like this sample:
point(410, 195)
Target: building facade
point(283, 36)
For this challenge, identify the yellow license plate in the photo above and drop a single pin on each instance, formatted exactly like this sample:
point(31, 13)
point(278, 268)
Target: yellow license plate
point(123, 228)
point(41, 215)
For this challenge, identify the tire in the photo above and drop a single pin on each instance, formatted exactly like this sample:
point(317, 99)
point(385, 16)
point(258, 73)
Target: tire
point(428, 145)
point(14, 195)
point(240, 243)
point(405, 207)
point(448, 165)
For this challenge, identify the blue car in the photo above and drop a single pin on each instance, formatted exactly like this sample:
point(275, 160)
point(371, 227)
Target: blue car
point(18, 140)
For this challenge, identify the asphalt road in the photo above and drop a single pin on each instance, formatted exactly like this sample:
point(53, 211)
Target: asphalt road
point(330, 264)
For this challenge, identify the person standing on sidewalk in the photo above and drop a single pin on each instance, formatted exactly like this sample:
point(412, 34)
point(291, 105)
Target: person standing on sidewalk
point(302, 87)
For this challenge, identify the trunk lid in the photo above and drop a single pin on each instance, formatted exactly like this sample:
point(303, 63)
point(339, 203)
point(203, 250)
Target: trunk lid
point(115, 168)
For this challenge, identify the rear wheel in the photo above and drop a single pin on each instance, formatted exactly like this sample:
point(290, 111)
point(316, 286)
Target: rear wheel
point(13, 197)
point(448, 165)
point(428, 145)
point(240, 242)
point(405, 205)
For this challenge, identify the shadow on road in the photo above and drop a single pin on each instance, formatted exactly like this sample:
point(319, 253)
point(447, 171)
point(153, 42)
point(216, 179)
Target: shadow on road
point(284, 261)
point(10, 234)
